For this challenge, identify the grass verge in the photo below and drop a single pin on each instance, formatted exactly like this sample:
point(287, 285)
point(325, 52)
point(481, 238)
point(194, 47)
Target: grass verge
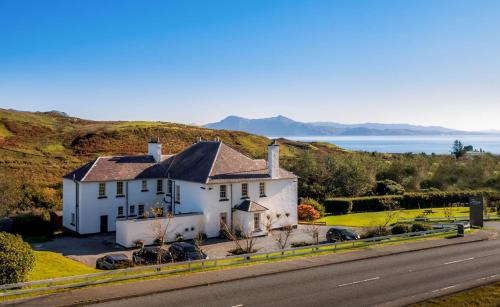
point(483, 296)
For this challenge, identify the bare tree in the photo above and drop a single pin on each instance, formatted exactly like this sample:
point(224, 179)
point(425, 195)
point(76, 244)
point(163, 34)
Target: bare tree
point(312, 230)
point(160, 227)
point(392, 212)
point(282, 236)
point(244, 243)
point(198, 240)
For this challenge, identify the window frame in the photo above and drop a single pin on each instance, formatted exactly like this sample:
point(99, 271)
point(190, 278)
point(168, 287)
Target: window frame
point(177, 198)
point(223, 192)
point(170, 184)
point(144, 186)
point(244, 190)
point(120, 208)
point(119, 186)
point(159, 186)
point(101, 190)
point(256, 222)
point(262, 189)
point(131, 210)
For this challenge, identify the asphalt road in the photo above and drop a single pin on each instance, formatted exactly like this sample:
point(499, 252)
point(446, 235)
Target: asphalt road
point(391, 281)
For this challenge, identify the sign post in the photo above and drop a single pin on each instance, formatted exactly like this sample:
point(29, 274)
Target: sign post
point(476, 204)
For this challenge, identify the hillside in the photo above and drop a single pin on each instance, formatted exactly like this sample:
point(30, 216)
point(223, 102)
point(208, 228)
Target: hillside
point(283, 126)
point(42, 146)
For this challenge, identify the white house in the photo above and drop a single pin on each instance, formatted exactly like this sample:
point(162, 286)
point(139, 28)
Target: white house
point(205, 186)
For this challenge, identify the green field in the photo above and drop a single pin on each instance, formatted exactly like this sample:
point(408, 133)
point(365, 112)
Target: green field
point(372, 219)
point(51, 265)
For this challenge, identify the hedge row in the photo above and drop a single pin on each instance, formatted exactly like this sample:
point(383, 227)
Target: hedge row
point(416, 200)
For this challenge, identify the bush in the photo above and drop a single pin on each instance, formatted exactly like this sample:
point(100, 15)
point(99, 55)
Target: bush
point(179, 237)
point(416, 227)
point(16, 259)
point(301, 243)
point(388, 187)
point(338, 205)
point(400, 229)
point(33, 223)
point(375, 232)
point(312, 202)
point(307, 213)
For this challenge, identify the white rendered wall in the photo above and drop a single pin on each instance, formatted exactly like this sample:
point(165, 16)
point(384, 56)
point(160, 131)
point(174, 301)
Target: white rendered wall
point(69, 203)
point(128, 231)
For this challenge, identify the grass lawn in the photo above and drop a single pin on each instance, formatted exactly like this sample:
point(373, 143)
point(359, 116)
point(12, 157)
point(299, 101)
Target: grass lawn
point(370, 219)
point(51, 265)
point(482, 296)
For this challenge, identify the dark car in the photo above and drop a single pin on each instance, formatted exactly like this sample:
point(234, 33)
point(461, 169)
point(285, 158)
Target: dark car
point(182, 251)
point(341, 234)
point(113, 262)
point(149, 255)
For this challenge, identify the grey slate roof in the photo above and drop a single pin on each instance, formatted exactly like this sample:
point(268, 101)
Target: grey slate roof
point(250, 206)
point(203, 162)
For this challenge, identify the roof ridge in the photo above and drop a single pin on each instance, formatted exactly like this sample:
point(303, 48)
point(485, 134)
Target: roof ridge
point(90, 168)
point(213, 162)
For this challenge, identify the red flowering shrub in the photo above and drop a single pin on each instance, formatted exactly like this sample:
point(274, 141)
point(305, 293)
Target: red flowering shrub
point(307, 213)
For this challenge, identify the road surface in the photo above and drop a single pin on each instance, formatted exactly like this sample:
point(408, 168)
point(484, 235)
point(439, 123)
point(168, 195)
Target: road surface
point(390, 281)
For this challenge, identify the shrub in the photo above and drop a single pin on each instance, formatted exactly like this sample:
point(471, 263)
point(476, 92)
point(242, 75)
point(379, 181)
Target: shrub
point(179, 237)
point(301, 243)
point(338, 205)
point(312, 202)
point(388, 187)
point(16, 258)
point(420, 227)
point(32, 223)
point(140, 243)
point(307, 213)
point(375, 232)
point(400, 229)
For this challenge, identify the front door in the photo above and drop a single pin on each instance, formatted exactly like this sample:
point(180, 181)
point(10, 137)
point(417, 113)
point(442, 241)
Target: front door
point(104, 223)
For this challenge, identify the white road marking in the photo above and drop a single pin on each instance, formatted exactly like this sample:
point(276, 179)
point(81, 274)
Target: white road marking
point(445, 288)
point(488, 277)
point(359, 281)
point(239, 305)
point(461, 260)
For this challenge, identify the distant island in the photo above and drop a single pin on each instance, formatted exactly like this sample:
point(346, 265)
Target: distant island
point(284, 126)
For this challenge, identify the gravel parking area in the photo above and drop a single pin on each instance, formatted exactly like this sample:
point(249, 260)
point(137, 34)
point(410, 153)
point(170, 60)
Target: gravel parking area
point(88, 249)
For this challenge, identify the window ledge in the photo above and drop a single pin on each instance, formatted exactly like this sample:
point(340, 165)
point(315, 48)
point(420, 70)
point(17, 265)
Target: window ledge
point(245, 197)
point(120, 216)
point(101, 197)
point(264, 195)
point(121, 195)
point(224, 199)
point(72, 224)
point(177, 202)
point(132, 215)
point(146, 190)
point(158, 193)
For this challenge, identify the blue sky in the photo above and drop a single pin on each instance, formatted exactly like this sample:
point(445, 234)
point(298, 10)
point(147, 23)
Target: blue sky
point(429, 62)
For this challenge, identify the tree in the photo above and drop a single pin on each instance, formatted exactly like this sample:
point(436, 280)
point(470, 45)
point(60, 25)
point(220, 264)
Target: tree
point(244, 243)
point(312, 202)
point(313, 230)
point(388, 187)
point(16, 259)
point(457, 149)
point(160, 228)
point(282, 236)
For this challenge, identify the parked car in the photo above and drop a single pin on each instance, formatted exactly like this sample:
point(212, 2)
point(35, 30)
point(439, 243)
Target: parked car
point(335, 234)
point(182, 251)
point(113, 262)
point(149, 255)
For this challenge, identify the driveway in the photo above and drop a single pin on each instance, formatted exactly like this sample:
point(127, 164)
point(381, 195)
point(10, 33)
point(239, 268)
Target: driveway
point(88, 249)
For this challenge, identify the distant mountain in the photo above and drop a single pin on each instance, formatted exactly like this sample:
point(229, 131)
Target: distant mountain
point(283, 126)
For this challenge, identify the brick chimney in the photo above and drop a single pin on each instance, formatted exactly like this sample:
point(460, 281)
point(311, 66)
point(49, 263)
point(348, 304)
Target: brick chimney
point(154, 148)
